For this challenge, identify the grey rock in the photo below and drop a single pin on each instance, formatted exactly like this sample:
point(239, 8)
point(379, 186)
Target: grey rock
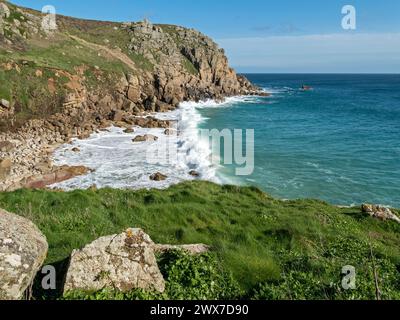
point(4, 103)
point(23, 249)
point(5, 167)
point(124, 262)
point(380, 212)
point(4, 10)
point(146, 137)
point(6, 146)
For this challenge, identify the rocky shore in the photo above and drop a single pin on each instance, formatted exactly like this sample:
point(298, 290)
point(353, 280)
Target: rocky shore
point(185, 66)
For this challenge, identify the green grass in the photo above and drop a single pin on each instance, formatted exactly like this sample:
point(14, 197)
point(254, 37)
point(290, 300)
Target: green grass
point(274, 249)
point(189, 66)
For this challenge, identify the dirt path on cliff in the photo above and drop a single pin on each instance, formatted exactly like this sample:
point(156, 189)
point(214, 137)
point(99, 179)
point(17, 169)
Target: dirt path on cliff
point(116, 54)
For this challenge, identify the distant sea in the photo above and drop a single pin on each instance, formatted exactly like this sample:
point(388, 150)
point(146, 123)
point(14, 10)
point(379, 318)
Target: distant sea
point(339, 142)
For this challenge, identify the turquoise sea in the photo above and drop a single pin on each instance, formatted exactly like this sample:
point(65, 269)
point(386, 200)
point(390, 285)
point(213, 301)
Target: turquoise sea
point(339, 142)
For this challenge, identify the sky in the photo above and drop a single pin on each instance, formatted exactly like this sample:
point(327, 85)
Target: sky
point(274, 36)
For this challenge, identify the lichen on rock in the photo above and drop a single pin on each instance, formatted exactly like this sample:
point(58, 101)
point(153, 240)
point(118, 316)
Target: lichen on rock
point(23, 249)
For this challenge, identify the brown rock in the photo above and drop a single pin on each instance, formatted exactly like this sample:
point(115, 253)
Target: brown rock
point(59, 174)
point(134, 94)
point(5, 167)
point(117, 115)
point(129, 130)
point(158, 177)
point(6, 146)
point(194, 173)
point(145, 138)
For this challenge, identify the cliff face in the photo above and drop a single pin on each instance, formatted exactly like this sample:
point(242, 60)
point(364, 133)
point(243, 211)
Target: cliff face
point(143, 67)
point(56, 84)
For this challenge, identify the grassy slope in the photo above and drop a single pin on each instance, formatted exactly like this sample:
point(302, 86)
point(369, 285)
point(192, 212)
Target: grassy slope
point(296, 248)
point(29, 93)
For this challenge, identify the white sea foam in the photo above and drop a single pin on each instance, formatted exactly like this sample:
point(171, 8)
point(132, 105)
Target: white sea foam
point(120, 163)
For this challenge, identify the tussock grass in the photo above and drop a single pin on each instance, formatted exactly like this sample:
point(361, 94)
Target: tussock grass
point(266, 243)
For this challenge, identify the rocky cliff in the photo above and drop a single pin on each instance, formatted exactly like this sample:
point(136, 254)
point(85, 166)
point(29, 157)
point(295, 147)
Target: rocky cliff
point(67, 82)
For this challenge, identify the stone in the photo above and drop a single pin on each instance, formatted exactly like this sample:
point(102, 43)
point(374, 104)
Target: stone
point(58, 174)
point(194, 173)
point(5, 103)
point(380, 212)
point(6, 146)
point(134, 94)
point(133, 80)
point(5, 167)
point(75, 149)
point(145, 138)
point(123, 262)
point(129, 130)
point(23, 249)
point(158, 177)
point(4, 10)
point(117, 115)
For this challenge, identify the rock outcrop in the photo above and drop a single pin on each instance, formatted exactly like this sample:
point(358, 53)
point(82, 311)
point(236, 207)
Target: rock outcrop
point(123, 262)
point(163, 66)
point(380, 212)
point(23, 249)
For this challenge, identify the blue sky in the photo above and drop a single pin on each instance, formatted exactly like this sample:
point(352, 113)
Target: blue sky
point(269, 35)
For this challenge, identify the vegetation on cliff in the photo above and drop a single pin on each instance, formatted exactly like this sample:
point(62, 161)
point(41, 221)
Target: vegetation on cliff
point(83, 58)
point(274, 249)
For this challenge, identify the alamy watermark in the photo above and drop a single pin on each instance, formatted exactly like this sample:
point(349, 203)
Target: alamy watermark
point(349, 279)
point(231, 147)
point(49, 21)
point(349, 21)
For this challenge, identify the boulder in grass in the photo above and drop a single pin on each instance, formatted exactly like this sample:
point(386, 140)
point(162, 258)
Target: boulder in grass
point(122, 262)
point(380, 212)
point(23, 249)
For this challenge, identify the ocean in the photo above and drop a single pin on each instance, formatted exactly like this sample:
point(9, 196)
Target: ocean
point(339, 142)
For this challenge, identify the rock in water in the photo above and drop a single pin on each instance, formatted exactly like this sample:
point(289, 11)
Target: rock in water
point(23, 249)
point(158, 177)
point(123, 262)
point(146, 137)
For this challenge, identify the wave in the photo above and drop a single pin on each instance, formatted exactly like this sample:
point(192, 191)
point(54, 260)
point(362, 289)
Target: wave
point(118, 163)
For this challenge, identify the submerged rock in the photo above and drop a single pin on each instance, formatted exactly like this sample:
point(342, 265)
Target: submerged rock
point(23, 249)
point(123, 262)
point(158, 177)
point(194, 173)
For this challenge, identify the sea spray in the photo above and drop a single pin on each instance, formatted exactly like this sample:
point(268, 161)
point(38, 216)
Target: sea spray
point(120, 163)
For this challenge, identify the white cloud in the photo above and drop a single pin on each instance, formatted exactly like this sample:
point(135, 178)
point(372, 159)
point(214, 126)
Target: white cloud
point(316, 53)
